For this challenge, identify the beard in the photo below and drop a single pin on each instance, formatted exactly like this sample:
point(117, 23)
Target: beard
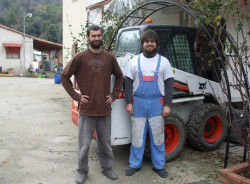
point(95, 45)
point(150, 52)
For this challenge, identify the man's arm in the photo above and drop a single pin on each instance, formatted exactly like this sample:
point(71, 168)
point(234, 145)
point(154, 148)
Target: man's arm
point(68, 71)
point(129, 90)
point(129, 94)
point(118, 80)
point(169, 88)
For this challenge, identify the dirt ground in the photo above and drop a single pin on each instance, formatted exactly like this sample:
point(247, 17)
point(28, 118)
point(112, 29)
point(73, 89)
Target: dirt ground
point(38, 143)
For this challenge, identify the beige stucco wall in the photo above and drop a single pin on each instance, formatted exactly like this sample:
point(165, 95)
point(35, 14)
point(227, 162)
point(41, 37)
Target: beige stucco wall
point(74, 14)
point(237, 38)
point(7, 36)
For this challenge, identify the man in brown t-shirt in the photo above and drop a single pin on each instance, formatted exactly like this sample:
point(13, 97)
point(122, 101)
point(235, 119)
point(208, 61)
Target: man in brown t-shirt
point(92, 69)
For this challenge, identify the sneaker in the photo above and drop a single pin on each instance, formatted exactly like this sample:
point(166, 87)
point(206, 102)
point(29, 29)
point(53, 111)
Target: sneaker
point(161, 172)
point(109, 173)
point(130, 171)
point(80, 178)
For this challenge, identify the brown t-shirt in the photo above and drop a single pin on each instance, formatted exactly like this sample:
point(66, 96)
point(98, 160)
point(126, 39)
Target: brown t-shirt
point(93, 75)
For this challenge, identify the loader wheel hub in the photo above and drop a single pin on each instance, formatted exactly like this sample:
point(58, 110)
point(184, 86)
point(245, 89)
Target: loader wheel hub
point(213, 129)
point(208, 127)
point(172, 137)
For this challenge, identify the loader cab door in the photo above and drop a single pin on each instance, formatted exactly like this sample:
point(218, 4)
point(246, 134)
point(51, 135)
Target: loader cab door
point(177, 44)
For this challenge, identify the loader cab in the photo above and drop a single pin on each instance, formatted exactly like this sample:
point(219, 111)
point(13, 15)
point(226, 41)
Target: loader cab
point(176, 44)
point(185, 47)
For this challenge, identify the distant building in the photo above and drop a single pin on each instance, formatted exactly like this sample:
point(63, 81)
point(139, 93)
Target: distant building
point(16, 51)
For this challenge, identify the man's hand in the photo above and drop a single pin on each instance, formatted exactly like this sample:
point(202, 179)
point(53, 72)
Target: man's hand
point(166, 111)
point(84, 99)
point(130, 109)
point(109, 99)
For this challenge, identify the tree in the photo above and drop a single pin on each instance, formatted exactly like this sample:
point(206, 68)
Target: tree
point(54, 33)
point(12, 14)
point(5, 3)
point(45, 13)
point(35, 27)
point(228, 53)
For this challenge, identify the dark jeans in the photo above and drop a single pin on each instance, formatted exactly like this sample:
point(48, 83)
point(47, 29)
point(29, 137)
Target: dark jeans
point(86, 127)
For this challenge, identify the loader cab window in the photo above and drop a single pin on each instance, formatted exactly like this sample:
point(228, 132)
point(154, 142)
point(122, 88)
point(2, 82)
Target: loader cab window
point(177, 46)
point(183, 55)
point(129, 41)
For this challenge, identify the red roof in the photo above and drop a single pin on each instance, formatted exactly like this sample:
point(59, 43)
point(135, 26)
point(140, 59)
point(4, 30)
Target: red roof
point(38, 43)
point(12, 44)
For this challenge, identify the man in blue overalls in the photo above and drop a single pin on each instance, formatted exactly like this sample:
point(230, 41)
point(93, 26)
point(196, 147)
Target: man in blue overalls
point(149, 94)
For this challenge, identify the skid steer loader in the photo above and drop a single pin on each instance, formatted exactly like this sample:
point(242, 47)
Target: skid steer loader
point(199, 105)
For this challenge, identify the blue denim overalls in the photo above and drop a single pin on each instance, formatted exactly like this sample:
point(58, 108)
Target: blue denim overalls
point(147, 117)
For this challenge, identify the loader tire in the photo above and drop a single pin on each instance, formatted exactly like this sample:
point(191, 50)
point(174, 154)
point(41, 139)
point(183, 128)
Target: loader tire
point(175, 138)
point(206, 129)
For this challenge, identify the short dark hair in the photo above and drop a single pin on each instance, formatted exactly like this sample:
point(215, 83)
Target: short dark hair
point(149, 34)
point(93, 27)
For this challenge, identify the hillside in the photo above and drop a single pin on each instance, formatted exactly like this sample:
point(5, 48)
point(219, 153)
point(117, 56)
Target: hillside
point(46, 20)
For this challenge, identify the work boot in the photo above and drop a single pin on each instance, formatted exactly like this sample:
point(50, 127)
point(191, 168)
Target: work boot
point(80, 178)
point(130, 171)
point(109, 173)
point(161, 172)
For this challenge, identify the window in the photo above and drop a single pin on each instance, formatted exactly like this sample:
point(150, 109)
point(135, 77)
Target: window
point(181, 48)
point(95, 16)
point(176, 46)
point(12, 50)
point(129, 41)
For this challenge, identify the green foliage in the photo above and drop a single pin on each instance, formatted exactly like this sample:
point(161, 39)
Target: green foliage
point(36, 27)
point(215, 14)
point(11, 17)
point(45, 23)
point(80, 39)
point(53, 33)
point(213, 11)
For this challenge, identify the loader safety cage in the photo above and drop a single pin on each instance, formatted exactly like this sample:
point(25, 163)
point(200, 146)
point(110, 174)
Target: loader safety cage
point(140, 14)
point(177, 44)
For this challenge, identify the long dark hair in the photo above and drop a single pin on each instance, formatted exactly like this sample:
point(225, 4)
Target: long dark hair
point(149, 34)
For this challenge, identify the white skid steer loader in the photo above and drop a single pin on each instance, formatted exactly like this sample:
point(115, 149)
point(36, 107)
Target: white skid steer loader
point(199, 105)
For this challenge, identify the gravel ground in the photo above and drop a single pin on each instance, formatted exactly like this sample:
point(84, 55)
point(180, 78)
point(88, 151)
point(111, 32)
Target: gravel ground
point(38, 143)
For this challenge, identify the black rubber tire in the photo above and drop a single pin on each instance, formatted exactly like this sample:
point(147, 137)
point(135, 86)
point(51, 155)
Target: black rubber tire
point(239, 127)
point(196, 124)
point(177, 123)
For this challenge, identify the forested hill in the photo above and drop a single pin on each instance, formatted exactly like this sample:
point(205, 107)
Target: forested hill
point(46, 20)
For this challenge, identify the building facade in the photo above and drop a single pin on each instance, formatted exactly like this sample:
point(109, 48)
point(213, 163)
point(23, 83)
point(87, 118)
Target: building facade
point(16, 51)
